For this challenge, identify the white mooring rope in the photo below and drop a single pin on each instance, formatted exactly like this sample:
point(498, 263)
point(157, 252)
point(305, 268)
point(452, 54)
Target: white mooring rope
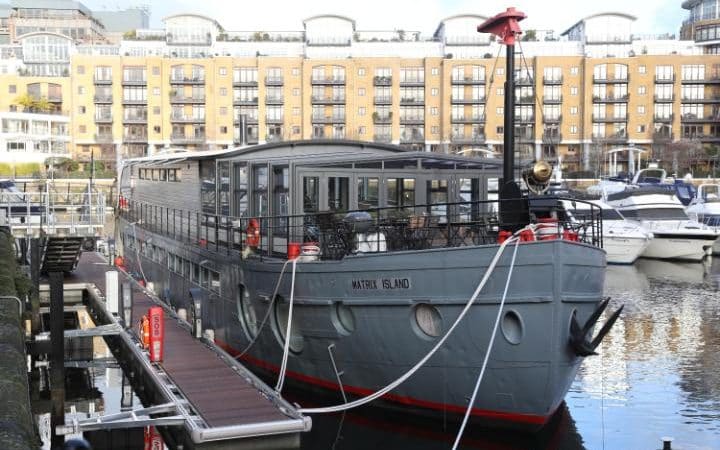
point(286, 347)
point(409, 373)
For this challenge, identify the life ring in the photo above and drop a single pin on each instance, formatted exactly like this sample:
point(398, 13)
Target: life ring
point(253, 233)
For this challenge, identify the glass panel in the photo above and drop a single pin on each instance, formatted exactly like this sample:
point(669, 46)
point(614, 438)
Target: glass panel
point(260, 194)
point(207, 189)
point(368, 189)
point(281, 198)
point(311, 197)
point(224, 188)
point(400, 192)
point(338, 189)
point(437, 197)
point(240, 193)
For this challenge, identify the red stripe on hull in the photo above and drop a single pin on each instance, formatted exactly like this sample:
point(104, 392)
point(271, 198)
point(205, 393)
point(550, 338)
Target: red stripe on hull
point(528, 419)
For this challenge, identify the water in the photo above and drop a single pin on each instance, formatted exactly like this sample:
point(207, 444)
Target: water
point(658, 374)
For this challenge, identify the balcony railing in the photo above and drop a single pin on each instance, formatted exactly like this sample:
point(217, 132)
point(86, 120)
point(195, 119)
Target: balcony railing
point(382, 81)
point(383, 99)
point(525, 100)
point(608, 119)
point(708, 79)
point(187, 99)
point(663, 119)
point(103, 138)
point(328, 99)
point(611, 138)
point(412, 137)
point(552, 98)
point(553, 80)
point(246, 83)
point(200, 79)
point(467, 101)
point(382, 137)
point(663, 98)
point(412, 82)
point(412, 100)
point(274, 81)
point(104, 119)
point(412, 120)
point(278, 119)
point(103, 98)
point(694, 118)
point(552, 118)
point(135, 119)
point(662, 137)
point(552, 138)
point(187, 139)
point(664, 79)
point(613, 79)
point(274, 100)
point(102, 81)
point(714, 98)
point(316, 79)
point(462, 138)
point(328, 119)
point(135, 138)
point(610, 98)
point(382, 118)
point(468, 80)
point(245, 101)
point(468, 119)
point(134, 82)
point(525, 119)
point(177, 118)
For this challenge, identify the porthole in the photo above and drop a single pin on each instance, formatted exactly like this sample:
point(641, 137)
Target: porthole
point(428, 320)
point(246, 312)
point(343, 318)
point(282, 309)
point(512, 327)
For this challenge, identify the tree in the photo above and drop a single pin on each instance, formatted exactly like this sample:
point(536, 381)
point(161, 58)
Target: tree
point(27, 101)
point(529, 35)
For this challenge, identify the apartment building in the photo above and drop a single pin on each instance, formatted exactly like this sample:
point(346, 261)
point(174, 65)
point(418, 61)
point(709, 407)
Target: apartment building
point(703, 24)
point(195, 85)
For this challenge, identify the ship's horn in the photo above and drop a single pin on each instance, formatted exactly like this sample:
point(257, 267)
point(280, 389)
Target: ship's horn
point(579, 341)
point(537, 177)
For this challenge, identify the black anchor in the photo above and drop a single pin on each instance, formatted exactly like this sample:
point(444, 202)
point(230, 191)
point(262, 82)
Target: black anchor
point(579, 340)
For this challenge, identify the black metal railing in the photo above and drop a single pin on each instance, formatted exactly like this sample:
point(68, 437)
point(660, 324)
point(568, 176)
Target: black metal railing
point(339, 234)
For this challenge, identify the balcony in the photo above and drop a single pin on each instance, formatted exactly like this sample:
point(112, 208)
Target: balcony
point(132, 120)
point(525, 136)
point(327, 100)
point(614, 138)
point(525, 100)
point(412, 120)
point(251, 139)
point(382, 81)
point(103, 98)
point(525, 119)
point(714, 98)
point(608, 119)
point(274, 120)
point(135, 138)
point(663, 119)
point(104, 119)
point(468, 119)
point(134, 82)
point(245, 83)
point(412, 101)
point(553, 80)
point(331, 80)
point(552, 118)
point(524, 81)
point(328, 119)
point(474, 138)
point(412, 138)
point(382, 137)
point(413, 82)
point(175, 99)
point(693, 118)
point(250, 120)
point(467, 101)
point(664, 79)
point(200, 79)
point(710, 79)
point(663, 99)
point(274, 81)
point(273, 138)
point(382, 118)
point(611, 80)
point(245, 101)
point(468, 80)
point(662, 137)
point(186, 119)
point(55, 98)
point(552, 99)
point(187, 139)
point(552, 138)
point(134, 101)
point(610, 98)
point(274, 100)
point(102, 81)
point(103, 138)
point(703, 137)
point(383, 99)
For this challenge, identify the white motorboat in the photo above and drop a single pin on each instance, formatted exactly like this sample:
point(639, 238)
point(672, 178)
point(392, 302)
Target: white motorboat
point(705, 208)
point(623, 240)
point(675, 236)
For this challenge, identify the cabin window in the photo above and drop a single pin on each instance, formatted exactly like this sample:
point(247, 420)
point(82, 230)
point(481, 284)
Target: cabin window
point(224, 188)
point(469, 194)
point(367, 191)
point(207, 187)
point(437, 197)
point(400, 192)
point(260, 190)
point(173, 175)
point(338, 189)
point(240, 183)
point(311, 194)
point(163, 175)
point(281, 197)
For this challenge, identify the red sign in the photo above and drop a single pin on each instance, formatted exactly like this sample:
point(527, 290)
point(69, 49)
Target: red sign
point(157, 333)
point(153, 440)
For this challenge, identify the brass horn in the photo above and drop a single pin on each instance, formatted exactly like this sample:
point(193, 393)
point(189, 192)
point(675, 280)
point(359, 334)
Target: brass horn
point(537, 177)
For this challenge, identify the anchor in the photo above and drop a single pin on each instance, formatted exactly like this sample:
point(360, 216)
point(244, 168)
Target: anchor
point(579, 335)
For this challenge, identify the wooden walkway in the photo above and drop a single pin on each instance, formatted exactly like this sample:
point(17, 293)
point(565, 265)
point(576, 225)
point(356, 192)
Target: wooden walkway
point(217, 392)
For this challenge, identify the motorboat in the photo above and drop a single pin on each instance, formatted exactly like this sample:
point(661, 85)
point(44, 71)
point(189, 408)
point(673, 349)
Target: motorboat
point(705, 208)
point(623, 240)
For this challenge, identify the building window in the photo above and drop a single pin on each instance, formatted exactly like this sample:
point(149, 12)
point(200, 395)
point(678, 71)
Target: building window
point(223, 71)
point(296, 111)
point(500, 91)
point(435, 129)
point(500, 130)
point(82, 129)
point(223, 130)
point(361, 130)
point(641, 109)
point(81, 70)
point(574, 70)
point(361, 92)
point(500, 71)
point(295, 129)
point(641, 90)
point(295, 71)
point(223, 91)
point(573, 90)
point(642, 69)
point(434, 111)
point(156, 110)
point(434, 71)
point(573, 110)
point(81, 110)
point(361, 71)
point(361, 111)
point(81, 90)
point(434, 92)
point(296, 92)
point(641, 128)
point(156, 91)
point(223, 110)
point(499, 110)
point(156, 129)
point(12, 89)
point(573, 129)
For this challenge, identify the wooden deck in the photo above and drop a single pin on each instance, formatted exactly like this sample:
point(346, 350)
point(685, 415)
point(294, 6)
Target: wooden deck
point(216, 391)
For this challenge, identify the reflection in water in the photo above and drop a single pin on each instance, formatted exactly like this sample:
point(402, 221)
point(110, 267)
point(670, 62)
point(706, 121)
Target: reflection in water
point(660, 361)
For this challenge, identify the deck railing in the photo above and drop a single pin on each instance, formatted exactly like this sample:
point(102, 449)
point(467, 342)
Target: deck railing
point(53, 213)
point(339, 234)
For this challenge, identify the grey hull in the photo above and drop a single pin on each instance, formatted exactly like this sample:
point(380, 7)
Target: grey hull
point(374, 334)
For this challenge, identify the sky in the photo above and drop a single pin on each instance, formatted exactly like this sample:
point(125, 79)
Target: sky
point(654, 16)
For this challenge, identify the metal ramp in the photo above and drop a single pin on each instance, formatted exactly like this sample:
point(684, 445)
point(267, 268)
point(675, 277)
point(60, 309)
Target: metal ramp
point(61, 253)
